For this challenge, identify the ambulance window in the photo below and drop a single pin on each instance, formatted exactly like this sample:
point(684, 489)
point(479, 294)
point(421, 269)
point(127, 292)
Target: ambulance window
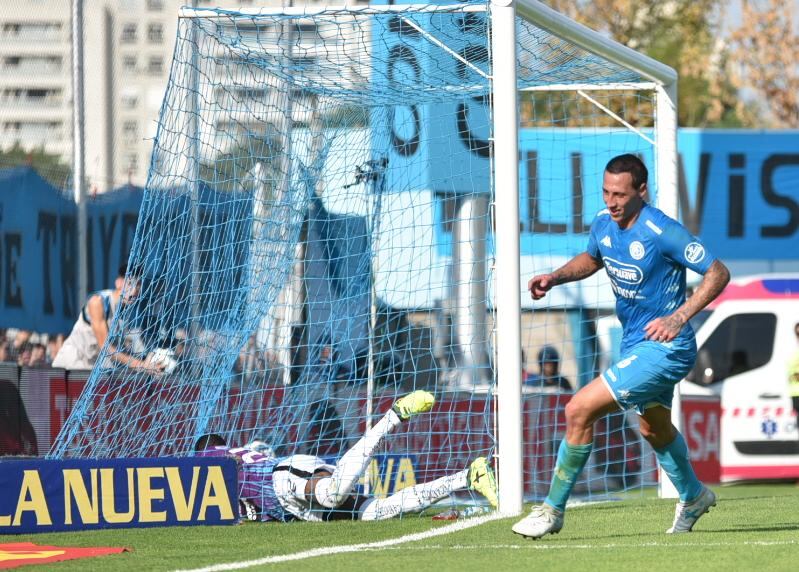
point(738, 344)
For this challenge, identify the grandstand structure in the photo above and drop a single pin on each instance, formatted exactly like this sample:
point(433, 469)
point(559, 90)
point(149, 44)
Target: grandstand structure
point(330, 224)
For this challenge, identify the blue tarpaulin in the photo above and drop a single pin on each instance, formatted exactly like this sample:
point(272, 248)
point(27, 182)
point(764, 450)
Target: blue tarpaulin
point(39, 250)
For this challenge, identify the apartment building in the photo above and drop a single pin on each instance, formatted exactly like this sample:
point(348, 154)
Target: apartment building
point(35, 76)
point(128, 47)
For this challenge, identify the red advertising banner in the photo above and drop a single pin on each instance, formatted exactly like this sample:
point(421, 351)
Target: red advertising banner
point(701, 429)
point(462, 428)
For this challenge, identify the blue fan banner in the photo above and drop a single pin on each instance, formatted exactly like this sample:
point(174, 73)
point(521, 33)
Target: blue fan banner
point(736, 189)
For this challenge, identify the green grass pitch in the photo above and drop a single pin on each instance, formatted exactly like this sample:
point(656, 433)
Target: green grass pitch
point(754, 527)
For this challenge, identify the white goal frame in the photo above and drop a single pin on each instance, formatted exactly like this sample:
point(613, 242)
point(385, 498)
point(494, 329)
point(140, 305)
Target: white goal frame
point(505, 125)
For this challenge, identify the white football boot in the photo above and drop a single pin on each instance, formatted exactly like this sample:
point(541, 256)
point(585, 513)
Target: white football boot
point(687, 513)
point(542, 520)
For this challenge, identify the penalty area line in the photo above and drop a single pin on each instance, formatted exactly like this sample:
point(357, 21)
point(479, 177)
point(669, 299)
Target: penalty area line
point(363, 547)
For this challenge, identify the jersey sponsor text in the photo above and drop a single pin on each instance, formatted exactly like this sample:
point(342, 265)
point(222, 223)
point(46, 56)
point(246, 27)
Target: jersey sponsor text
point(623, 272)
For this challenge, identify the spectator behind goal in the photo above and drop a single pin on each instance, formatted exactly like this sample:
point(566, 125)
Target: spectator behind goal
point(549, 371)
point(82, 347)
point(18, 346)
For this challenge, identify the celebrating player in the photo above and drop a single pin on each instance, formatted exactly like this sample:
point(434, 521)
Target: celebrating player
point(305, 487)
point(645, 254)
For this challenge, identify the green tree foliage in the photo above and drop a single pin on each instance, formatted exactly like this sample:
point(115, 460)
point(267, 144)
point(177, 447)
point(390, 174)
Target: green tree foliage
point(51, 167)
point(683, 34)
point(766, 53)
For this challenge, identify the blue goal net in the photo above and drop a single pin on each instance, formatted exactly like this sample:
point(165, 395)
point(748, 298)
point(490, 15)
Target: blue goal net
point(316, 240)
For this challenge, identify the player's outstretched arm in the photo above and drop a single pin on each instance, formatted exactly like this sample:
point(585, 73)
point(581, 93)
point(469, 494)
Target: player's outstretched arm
point(668, 327)
point(581, 266)
point(97, 320)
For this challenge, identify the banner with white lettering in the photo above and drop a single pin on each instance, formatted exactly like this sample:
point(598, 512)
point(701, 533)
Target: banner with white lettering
point(45, 496)
point(701, 419)
point(749, 178)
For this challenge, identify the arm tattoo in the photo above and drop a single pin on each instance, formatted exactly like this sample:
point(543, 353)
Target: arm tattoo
point(712, 284)
point(674, 322)
point(581, 266)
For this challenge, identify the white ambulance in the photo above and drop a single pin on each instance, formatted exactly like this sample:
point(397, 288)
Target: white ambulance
point(745, 342)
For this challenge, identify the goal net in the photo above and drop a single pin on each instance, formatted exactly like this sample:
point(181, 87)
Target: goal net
point(322, 232)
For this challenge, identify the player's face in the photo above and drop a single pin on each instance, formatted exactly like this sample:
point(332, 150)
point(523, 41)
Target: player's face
point(623, 201)
point(129, 287)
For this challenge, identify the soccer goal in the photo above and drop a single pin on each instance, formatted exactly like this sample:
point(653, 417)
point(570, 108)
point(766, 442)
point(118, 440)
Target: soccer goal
point(344, 205)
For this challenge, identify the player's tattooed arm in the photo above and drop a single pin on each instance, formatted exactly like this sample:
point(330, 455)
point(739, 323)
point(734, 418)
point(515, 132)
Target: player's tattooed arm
point(667, 328)
point(581, 266)
point(714, 281)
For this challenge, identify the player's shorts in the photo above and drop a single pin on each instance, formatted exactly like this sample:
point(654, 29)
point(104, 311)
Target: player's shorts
point(646, 374)
point(289, 478)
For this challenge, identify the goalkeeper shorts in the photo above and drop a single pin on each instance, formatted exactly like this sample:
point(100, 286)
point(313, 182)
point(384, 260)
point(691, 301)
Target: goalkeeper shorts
point(289, 478)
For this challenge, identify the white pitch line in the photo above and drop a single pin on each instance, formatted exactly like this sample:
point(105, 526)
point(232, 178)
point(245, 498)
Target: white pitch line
point(533, 545)
point(328, 550)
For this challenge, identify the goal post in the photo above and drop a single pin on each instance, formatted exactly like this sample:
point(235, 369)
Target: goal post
point(344, 204)
point(506, 185)
point(664, 82)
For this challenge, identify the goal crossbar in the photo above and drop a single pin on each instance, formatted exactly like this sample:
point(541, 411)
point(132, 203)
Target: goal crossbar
point(594, 42)
point(213, 13)
point(626, 86)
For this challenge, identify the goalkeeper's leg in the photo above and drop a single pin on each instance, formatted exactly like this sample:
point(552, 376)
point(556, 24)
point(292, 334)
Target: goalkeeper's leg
point(330, 492)
point(415, 498)
point(478, 477)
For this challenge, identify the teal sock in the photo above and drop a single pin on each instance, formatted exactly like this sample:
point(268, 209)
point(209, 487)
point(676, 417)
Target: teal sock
point(571, 460)
point(676, 463)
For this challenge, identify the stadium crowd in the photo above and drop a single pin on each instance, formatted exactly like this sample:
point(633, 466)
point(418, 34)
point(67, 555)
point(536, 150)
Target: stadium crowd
point(29, 349)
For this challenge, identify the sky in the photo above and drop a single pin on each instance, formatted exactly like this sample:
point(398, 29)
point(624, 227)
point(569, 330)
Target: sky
point(732, 16)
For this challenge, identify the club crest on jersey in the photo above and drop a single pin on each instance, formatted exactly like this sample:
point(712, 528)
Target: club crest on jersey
point(622, 272)
point(694, 252)
point(637, 250)
point(606, 241)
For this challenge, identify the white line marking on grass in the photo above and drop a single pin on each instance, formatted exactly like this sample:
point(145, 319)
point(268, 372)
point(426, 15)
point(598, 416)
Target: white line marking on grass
point(533, 545)
point(328, 550)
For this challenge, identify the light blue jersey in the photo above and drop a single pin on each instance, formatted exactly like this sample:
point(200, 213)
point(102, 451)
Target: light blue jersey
point(646, 265)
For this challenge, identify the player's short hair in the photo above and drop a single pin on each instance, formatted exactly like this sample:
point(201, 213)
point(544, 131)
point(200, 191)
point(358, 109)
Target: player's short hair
point(629, 163)
point(133, 271)
point(209, 440)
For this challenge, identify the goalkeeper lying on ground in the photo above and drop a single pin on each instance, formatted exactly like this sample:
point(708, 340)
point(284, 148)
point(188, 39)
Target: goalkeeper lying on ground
point(306, 487)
